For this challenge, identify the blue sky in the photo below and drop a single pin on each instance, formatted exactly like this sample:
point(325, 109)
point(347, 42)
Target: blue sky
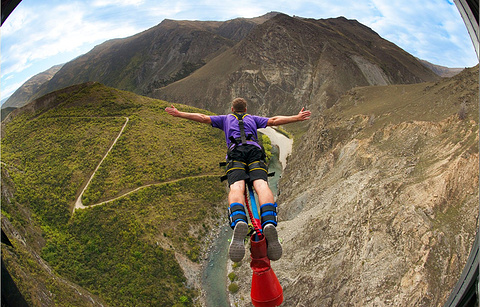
point(42, 33)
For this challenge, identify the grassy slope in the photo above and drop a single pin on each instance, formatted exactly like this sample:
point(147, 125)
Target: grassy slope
point(393, 104)
point(122, 251)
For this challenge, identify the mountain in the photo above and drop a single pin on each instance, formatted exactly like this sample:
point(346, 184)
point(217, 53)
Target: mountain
point(155, 57)
point(160, 181)
point(287, 62)
point(275, 57)
point(442, 71)
point(24, 94)
point(379, 200)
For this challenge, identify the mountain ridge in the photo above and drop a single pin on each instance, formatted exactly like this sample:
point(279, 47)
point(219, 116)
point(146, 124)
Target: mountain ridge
point(26, 91)
point(290, 59)
point(147, 81)
point(152, 57)
point(146, 78)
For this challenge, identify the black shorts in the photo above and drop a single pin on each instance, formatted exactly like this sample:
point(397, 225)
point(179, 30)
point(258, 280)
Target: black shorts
point(247, 155)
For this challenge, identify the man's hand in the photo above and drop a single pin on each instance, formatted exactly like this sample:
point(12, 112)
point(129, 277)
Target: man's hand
point(172, 111)
point(281, 120)
point(303, 115)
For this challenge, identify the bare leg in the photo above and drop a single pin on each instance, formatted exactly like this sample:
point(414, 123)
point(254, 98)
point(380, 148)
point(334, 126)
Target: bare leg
point(237, 192)
point(265, 195)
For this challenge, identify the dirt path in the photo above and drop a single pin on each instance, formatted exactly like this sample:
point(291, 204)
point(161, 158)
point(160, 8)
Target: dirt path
point(278, 139)
point(146, 186)
point(78, 202)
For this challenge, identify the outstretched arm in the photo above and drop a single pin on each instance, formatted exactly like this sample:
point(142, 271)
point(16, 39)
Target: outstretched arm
point(198, 117)
point(281, 120)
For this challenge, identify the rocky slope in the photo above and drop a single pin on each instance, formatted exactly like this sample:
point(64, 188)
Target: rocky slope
point(289, 62)
point(25, 93)
point(379, 202)
point(442, 71)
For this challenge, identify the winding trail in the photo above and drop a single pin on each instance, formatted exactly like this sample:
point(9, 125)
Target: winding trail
point(78, 202)
point(146, 186)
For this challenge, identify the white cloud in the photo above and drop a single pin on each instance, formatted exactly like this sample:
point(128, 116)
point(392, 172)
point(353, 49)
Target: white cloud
point(61, 29)
point(428, 29)
point(100, 3)
point(165, 9)
point(15, 23)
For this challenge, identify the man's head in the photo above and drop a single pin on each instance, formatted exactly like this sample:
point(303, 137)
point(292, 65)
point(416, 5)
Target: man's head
point(239, 105)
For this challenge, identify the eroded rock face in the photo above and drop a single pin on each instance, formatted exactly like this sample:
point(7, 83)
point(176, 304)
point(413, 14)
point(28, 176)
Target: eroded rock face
point(381, 227)
point(395, 233)
point(379, 207)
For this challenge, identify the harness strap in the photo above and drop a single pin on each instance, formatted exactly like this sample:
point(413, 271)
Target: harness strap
point(232, 165)
point(238, 141)
point(242, 130)
point(242, 140)
point(258, 165)
point(241, 126)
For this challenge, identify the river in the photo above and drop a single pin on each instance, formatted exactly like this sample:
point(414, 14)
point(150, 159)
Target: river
point(214, 275)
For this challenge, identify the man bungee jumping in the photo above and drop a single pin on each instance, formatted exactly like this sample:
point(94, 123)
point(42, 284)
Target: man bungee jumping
point(246, 161)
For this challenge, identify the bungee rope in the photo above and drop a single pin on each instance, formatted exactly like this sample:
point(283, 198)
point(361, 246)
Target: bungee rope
point(255, 223)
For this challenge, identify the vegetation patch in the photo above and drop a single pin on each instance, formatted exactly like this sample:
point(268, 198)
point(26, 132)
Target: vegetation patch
point(123, 251)
point(233, 288)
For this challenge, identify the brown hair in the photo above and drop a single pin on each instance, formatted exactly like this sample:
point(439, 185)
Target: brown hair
point(239, 105)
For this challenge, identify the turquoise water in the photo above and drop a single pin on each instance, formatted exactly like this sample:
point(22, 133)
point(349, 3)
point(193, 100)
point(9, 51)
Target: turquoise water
point(215, 274)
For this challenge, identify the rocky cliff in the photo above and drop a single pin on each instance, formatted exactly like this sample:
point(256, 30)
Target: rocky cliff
point(379, 202)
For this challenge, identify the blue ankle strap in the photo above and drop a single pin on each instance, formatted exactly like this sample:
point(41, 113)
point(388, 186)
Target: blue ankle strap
point(236, 213)
point(268, 213)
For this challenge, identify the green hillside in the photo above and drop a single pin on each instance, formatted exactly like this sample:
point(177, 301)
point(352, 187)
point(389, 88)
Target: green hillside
point(124, 250)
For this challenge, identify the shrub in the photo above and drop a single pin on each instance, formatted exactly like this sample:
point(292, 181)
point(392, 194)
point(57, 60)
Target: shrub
point(233, 288)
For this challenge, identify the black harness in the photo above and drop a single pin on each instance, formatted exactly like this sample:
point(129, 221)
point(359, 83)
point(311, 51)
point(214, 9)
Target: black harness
point(242, 140)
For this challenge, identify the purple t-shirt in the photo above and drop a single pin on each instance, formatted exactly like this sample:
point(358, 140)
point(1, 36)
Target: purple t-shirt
point(229, 125)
